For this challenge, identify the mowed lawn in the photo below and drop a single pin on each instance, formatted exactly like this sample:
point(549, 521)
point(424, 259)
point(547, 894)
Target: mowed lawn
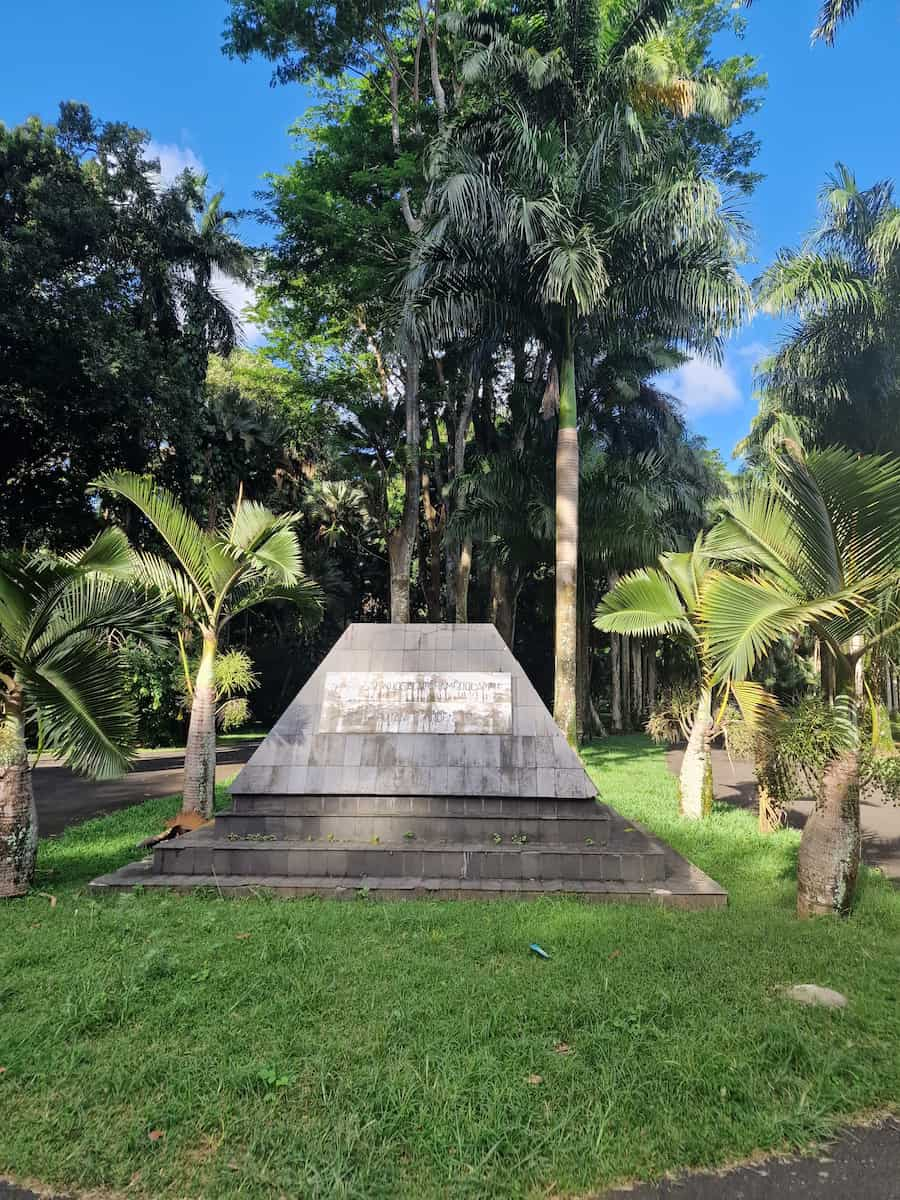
point(181, 1047)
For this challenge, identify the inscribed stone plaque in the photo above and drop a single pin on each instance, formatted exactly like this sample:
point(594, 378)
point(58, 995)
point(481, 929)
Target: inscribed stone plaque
point(416, 702)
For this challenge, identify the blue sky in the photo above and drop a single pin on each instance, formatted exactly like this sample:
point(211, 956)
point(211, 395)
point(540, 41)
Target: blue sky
point(159, 66)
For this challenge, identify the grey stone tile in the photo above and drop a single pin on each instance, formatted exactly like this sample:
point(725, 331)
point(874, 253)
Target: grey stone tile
point(370, 749)
point(333, 780)
point(524, 722)
point(568, 783)
point(482, 750)
point(315, 778)
point(352, 750)
point(444, 660)
point(393, 637)
point(443, 638)
point(366, 777)
point(383, 660)
point(456, 781)
point(545, 781)
point(438, 781)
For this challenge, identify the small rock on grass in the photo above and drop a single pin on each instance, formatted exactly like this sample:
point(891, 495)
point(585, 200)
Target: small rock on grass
point(810, 993)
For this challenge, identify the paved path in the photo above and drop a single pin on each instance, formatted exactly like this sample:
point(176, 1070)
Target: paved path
point(833, 1174)
point(735, 783)
point(64, 798)
point(864, 1164)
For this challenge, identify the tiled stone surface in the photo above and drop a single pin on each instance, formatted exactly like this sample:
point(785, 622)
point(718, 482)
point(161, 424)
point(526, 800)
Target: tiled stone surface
point(533, 761)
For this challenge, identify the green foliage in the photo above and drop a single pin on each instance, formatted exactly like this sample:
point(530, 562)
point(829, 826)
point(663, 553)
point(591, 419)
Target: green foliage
point(59, 666)
point(106, 376)
point(153, 678)
point(837, 373)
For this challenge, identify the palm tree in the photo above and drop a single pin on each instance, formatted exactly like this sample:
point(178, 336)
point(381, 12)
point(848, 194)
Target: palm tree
point(251, 558)
point(574, 184)
point(820, 546)
point(838, 372)
point(60, 671)
point(667, 600)
point(833, 14)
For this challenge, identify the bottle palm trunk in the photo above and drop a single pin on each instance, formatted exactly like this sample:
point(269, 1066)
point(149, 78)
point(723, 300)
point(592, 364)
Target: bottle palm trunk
point(830, 846)
point(18, 817)
point(695, 786)
point(200, 754)
point(566, 643)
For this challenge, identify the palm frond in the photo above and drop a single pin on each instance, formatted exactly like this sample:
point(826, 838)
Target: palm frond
point(172, 522)
point(644, 604)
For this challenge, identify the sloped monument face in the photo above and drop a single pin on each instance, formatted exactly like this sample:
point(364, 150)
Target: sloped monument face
point(417, 710)
point(419, 760)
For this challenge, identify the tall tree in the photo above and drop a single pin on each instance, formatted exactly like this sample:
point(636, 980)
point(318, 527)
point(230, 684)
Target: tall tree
point(577, 173)
point(211, 576)
point(61, 673)
point(838, 371)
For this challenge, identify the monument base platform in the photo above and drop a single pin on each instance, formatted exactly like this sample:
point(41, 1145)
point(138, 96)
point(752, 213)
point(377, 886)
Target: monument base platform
point(630, 866)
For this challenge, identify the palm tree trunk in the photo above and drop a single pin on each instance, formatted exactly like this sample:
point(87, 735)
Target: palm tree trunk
point(18, 816)
point(695, 787)
point(200, 753)
point(651, 676)
point(625, 664)
point(461, 583)
point(402, 540)
point(830, 846)
point(503, 603)
point(615, 669)
point(637, 681)
point(567, 467)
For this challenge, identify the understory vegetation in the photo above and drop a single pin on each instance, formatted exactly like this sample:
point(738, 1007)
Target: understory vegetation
point(177, 1046)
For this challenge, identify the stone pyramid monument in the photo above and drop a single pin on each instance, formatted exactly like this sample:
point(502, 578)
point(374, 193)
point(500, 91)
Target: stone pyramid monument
point(418, 759)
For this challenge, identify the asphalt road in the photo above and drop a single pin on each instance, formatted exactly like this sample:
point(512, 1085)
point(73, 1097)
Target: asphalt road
point(64, 799)
point(735, 783)
point(864, 1164)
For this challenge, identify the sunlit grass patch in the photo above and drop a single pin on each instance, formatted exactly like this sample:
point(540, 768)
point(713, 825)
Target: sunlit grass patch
point(383, 1050)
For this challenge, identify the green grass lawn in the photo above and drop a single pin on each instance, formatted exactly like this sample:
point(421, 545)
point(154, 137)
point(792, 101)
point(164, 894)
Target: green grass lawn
point(381, 1050)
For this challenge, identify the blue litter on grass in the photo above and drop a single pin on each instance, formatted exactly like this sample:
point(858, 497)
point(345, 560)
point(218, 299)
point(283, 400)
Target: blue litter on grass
point(536, 949)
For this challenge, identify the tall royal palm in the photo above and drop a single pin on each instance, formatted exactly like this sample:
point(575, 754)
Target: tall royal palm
point(252, 557)
point(575, 177)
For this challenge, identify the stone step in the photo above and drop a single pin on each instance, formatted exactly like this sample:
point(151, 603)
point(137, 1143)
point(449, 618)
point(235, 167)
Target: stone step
point(313, 804)
point(203, 853)
point(696, 891)
point(591, 828)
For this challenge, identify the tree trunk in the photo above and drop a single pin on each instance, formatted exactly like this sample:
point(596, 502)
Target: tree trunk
point(431, 571)
point(828, 673)
point(402, 540)
point(695, 788)
point(651, 676)
point(830, 846)
point(615, 669)
point(18, 816)
point(625, 664)
point(637, 681)
point(503, 603)
point(566, 640)
point(200, 753)
point(461, 583)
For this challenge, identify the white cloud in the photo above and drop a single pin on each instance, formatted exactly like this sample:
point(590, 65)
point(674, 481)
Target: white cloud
point(703, 387)
point(238, 297)
point(753, 350)
point(173, 160)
